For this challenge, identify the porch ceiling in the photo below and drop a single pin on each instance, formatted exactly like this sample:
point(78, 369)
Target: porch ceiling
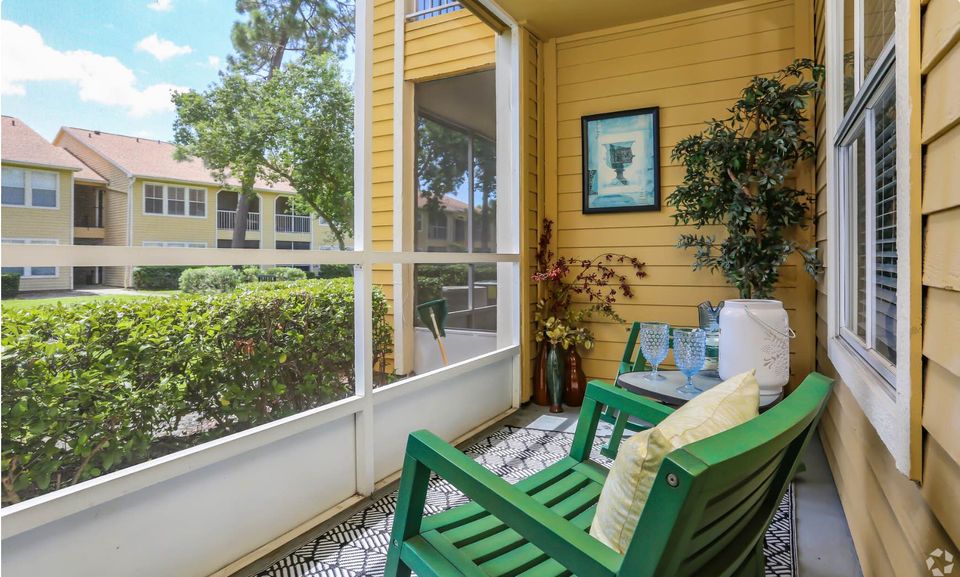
point(554, 18)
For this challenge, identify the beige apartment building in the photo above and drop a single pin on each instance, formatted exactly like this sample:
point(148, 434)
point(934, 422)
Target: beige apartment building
point(97, 188)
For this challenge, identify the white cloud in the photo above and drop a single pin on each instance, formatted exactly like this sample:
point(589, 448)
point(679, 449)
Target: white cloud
point(101, 79)
point(161, 5)
point(213, 61)
point(160, 48)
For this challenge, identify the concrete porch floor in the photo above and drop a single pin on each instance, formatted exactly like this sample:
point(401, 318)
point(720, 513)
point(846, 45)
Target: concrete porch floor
point(825, 547)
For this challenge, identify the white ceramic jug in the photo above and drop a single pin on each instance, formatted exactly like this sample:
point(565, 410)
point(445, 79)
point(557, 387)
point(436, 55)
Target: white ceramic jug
point(755, 334)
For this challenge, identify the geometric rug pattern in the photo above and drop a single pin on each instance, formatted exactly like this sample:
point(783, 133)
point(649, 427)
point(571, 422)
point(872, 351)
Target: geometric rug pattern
point(358, 546)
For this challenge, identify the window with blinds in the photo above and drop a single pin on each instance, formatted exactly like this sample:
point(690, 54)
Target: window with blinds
point(868, 189)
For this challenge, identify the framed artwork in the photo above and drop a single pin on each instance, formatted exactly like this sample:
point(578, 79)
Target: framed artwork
point(621, 161)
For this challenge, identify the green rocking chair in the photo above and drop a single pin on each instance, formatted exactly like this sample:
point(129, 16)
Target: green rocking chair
point(632, 361)
point(707, 513)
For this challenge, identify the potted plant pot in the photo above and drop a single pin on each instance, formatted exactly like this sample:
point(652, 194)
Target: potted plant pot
point(576, 379)
point(755, 334)
point(555, 377)
point(540, 395)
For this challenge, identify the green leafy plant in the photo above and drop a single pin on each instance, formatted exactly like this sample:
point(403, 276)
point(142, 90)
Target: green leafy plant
point(335, 271)
point(94, 387)
point(209, 279)
point(9, 285)
point(157, 277)
point(738, 174)
point(286, 273)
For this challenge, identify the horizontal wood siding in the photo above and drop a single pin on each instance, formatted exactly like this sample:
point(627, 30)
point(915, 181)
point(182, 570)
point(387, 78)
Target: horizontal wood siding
point(530, 199)
point(446, 45)
point(693, 67)
point(895, 522)
point(115, 232)
point(45, 223)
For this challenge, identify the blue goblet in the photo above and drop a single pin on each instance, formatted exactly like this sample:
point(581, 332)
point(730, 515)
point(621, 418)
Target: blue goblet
point(689, 352)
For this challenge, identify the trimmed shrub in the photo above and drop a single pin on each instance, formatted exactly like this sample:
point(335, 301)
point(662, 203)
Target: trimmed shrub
point(209, 279)
point(157, 277)
point(101, 385)
point(335, 271)
point(249, 274)
point(286, 273)
point(9, 285)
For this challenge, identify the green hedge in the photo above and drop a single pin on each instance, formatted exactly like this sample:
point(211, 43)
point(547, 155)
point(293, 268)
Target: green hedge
point(157, 277)
point(98, 386)
point(286, 273)
point(9, 285)
point(209, 279)
point(335, 271)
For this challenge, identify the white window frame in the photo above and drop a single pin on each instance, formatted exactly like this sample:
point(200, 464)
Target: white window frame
point(166, 200)
point(27, 269)
point(887, 409)
point(173, 244)
point(860, 117)
point(28, 188)
point(359, 408)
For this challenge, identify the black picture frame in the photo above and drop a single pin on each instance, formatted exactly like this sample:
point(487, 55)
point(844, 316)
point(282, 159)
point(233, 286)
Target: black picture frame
point(640, 188)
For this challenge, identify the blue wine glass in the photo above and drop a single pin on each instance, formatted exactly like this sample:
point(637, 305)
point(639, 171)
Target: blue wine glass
point(689, 352)
point(654, 344)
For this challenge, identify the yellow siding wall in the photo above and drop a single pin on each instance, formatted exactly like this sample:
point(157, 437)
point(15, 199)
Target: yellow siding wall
point(152, 227)
point(117, 179)
point(115, 232)
point(46, 223)
point(445, 45)
point(531, 201)
point(895, 523)
point(693, 67)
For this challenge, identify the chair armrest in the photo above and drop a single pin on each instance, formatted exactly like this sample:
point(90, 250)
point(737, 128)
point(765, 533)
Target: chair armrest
point(554, 535)
point(630, 403)
point(623, 404)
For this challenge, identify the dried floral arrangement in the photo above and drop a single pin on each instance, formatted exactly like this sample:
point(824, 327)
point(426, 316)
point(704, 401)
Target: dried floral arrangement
point(596, 279)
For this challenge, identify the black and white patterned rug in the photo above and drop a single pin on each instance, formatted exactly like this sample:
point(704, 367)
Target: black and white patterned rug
point(358, 546)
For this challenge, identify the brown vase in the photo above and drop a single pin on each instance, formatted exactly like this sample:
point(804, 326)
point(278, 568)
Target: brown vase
point(576, 385)
point(540, 394)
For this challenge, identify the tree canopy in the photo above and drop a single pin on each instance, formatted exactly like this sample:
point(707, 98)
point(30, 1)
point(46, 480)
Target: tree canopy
point(275, 27)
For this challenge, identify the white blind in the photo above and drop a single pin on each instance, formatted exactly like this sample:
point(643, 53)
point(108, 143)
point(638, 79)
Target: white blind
point(885, 226)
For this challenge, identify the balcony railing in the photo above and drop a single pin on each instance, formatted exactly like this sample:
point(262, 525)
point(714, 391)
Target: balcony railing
point(293, 223)
point(429, 8)
point(88, 217)
point(227, 219)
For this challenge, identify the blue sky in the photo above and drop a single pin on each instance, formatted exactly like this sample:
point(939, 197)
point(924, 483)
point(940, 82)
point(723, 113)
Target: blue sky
point(109, 64)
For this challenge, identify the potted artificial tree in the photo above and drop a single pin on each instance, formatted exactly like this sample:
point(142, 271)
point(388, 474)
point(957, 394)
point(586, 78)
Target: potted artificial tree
point(738, 173)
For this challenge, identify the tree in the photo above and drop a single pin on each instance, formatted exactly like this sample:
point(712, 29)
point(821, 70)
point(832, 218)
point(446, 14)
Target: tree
point(737, 174)
point(274, 27)
point(311, 109)
point(225, 127)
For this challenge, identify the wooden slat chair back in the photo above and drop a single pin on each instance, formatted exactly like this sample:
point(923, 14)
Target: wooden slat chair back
point(631, 361)
point(707, 513)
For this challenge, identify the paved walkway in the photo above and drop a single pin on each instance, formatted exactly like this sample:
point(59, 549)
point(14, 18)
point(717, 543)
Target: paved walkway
point(88, 291)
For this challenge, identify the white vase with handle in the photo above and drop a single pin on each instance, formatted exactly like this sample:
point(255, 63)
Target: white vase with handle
point(755, 334)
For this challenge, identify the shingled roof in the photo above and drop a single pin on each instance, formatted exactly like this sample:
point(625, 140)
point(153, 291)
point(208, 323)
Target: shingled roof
point(22, 144)
point(149, 158)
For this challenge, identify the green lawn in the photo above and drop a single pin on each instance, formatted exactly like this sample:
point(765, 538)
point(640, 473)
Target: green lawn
point(19, 304)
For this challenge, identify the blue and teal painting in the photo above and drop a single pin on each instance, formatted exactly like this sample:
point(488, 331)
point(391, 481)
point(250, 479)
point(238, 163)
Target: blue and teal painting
point(621, 161)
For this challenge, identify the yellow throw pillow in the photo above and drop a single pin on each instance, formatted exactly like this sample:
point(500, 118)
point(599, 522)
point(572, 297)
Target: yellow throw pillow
point(731, 403)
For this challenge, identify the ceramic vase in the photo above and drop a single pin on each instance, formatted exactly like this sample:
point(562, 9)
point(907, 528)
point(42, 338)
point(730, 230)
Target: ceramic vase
point(540, 395)
point(755, 334)
point(555, 378)
point(576, 379)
